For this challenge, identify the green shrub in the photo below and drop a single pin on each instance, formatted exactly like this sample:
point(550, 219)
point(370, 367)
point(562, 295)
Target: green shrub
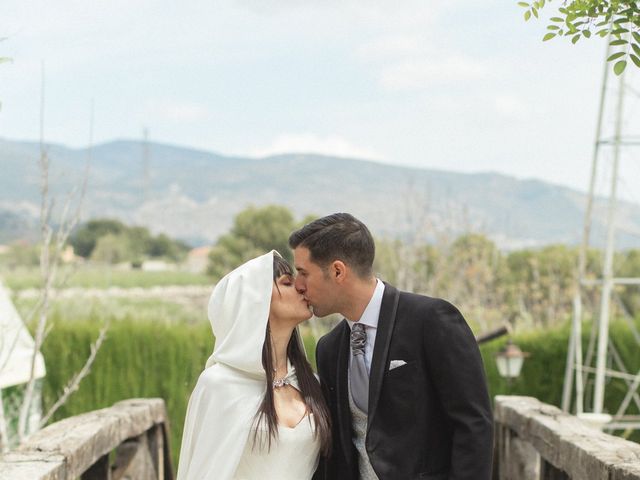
point(138, 359)
point(146, 358)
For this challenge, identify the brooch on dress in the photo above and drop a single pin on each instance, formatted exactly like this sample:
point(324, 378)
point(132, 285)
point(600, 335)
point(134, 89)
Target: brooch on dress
point(289, 379)
point(281, 382)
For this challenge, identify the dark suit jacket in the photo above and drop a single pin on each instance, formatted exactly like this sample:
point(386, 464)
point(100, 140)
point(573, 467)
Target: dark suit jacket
point(428, 419)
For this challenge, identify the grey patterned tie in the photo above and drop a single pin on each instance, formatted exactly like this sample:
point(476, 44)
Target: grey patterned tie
point(358, 371)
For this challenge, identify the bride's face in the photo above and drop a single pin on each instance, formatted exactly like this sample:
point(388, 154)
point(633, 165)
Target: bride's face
point(287, 305)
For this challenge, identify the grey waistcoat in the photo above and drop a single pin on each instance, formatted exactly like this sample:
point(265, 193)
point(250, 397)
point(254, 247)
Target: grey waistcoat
point(359, 423)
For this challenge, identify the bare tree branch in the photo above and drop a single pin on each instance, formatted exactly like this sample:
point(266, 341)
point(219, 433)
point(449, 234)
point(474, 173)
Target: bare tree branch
point(74, 383)
point(46, 232)
point(53, 244)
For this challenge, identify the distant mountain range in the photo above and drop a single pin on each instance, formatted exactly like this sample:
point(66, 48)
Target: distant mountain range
point(194, 195)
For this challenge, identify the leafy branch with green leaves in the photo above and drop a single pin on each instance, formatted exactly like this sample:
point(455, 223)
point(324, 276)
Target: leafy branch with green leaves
point(583, 18)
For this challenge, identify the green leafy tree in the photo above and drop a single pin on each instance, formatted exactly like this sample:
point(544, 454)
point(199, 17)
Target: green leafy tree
point(578, 19)
point(140, 241)
point(473, 265)
point(84, 240)
point(254, 232)
point(136, 242)
point(409, 267)
point(164, 246)
point(113, 248)
point(541, 283)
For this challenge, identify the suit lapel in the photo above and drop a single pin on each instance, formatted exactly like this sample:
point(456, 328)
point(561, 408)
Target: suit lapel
point(386, 322)
point(342, 392)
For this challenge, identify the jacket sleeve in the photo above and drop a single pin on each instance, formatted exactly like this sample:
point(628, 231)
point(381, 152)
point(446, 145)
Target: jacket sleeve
point(456, 366)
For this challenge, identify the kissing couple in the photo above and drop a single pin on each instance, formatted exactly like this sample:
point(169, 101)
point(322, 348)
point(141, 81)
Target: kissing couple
point(400, 392)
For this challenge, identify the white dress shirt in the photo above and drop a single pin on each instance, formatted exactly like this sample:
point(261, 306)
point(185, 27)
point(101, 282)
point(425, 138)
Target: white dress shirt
point(369, 319)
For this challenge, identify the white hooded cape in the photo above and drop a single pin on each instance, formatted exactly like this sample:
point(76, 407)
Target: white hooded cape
point(228, 393)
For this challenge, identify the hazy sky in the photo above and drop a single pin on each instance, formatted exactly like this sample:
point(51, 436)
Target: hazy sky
point(461, 85)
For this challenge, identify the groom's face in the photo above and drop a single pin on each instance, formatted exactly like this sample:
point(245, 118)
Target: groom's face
point(314, 283)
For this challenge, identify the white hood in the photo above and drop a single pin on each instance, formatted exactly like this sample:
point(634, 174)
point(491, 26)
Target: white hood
point(225, 400)
point(239, 312)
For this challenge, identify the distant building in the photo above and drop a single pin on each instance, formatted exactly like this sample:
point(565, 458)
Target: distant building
point(197, 259)
point(68, 255)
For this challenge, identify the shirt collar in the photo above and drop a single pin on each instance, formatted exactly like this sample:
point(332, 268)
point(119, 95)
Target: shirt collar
point(372, 311)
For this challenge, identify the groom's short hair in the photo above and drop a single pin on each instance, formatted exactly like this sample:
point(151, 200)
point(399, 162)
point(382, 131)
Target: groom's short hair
point(340, 236)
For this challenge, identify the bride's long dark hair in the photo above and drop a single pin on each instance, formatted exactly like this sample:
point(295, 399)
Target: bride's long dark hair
point(309, 385)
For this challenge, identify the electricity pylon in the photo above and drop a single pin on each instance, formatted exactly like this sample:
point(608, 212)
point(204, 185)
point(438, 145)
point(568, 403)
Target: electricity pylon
point(608, 362)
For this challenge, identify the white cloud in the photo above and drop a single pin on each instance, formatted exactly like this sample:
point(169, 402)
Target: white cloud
point(312, 143)
point(177, 111)
point(415, 61)
point(393, 47)
point(511, 106)
point(374, 13)
point(416, 74)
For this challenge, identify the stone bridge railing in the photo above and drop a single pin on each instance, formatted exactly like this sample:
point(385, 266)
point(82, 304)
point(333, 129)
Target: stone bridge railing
point(534, 441)
point(539, 441)
point(126, 441)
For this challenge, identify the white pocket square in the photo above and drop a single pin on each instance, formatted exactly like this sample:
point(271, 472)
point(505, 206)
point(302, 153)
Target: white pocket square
point(396, 363)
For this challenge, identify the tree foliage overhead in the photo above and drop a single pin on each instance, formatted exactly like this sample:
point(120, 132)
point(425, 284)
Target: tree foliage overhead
point(578, 19)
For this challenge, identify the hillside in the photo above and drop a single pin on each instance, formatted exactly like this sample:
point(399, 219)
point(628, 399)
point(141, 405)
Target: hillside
point(193, 195)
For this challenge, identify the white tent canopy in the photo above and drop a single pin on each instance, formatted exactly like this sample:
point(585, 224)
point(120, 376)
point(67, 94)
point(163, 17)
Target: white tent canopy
point(16, 346)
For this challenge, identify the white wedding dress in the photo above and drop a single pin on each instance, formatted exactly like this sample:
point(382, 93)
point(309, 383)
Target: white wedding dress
point(294, 456)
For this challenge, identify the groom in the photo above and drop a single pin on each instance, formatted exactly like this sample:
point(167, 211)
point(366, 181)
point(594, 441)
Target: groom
point(402, 373)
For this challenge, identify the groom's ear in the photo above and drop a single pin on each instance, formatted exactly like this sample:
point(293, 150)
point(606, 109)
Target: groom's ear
point(338, 271)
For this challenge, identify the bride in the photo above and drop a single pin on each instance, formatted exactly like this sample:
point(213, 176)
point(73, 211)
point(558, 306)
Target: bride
point(257, 410)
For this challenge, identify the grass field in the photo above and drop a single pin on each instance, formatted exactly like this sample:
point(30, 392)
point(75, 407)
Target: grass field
point(100, 310)
point(93, 276)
